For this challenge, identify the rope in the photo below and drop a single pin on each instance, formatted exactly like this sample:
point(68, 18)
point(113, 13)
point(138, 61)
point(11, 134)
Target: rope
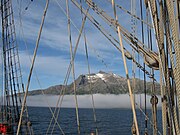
point(1, 87)
point(61, 93)
point(16, 65)
point(9, 47)
point(83, 11)
point(132, 15)
point(73, 69)
point(133, 28)
point(89, 72)
point(162, 88)
point(8, 39)
point(72, 62)
point(20, 73)
point(66, 78)
point(154, 103)
point(159, 37)
point(6, 95)
point(90, 88)
point(175, 37)
point(59, 100)
point(67, 72)
point(126, 70)
point(169, 46)
point(37, 78)
point(171, 92)
point(78, 30)
point(75, 49)
point(65, 83)
point(110, 38)
point(144, 66)
point(113, 24)
point(146, 116)
point(164, 118)
point(31, 69)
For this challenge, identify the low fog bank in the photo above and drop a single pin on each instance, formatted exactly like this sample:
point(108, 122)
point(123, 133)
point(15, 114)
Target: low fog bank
point(85, 101)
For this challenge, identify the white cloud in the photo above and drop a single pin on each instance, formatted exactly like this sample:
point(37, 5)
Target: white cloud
point(55, 37)
point(55, 33)
point(51, 70)
point(51, 65)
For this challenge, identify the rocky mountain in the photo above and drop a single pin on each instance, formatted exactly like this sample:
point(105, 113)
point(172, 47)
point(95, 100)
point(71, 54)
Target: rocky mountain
point(101, 82)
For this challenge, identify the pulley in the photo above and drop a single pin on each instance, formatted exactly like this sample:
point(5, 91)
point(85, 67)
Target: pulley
point(29, 124)
point(152, 61)
point(145, 133)
point(128, 55)
point(154, 100)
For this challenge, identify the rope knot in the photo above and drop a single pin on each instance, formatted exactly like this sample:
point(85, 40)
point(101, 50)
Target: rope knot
point(133, 129)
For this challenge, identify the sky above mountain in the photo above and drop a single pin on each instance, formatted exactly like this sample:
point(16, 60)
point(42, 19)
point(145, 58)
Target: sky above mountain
point(53, 55)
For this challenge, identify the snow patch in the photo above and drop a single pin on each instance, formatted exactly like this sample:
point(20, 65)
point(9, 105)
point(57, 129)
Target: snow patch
point(92, 78)
point(102, 76)
point(115, 75)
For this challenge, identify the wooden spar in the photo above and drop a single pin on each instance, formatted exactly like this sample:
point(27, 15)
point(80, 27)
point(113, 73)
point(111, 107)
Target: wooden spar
point(137, 44)
point(32, 66)
point(151, 58)
point(99, 27)
point(126, 70)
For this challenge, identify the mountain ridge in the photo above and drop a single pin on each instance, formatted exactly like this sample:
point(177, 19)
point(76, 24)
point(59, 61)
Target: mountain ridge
point(100, 83)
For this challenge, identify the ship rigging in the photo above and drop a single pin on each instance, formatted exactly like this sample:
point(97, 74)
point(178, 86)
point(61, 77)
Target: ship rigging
point(151, 43)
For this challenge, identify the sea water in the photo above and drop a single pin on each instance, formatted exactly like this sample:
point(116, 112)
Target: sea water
point(109, 121)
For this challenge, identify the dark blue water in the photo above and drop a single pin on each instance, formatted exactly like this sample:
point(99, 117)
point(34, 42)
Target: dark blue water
point(109, 121)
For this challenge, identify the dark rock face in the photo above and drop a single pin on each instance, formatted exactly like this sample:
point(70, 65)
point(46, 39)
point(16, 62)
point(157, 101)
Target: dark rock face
point(102, 82)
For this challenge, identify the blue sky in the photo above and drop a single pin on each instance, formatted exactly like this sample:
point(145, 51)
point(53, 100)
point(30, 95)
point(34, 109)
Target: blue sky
point(53, 54)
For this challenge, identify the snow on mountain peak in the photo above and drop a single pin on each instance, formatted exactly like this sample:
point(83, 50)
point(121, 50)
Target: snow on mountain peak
point(102, 76)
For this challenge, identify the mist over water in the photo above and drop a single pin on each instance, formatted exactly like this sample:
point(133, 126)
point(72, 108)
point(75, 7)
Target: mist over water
point(85, 101)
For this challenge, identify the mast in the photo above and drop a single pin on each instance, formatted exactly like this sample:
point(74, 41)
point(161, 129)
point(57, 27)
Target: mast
point(13, 85)
point(165, 19)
